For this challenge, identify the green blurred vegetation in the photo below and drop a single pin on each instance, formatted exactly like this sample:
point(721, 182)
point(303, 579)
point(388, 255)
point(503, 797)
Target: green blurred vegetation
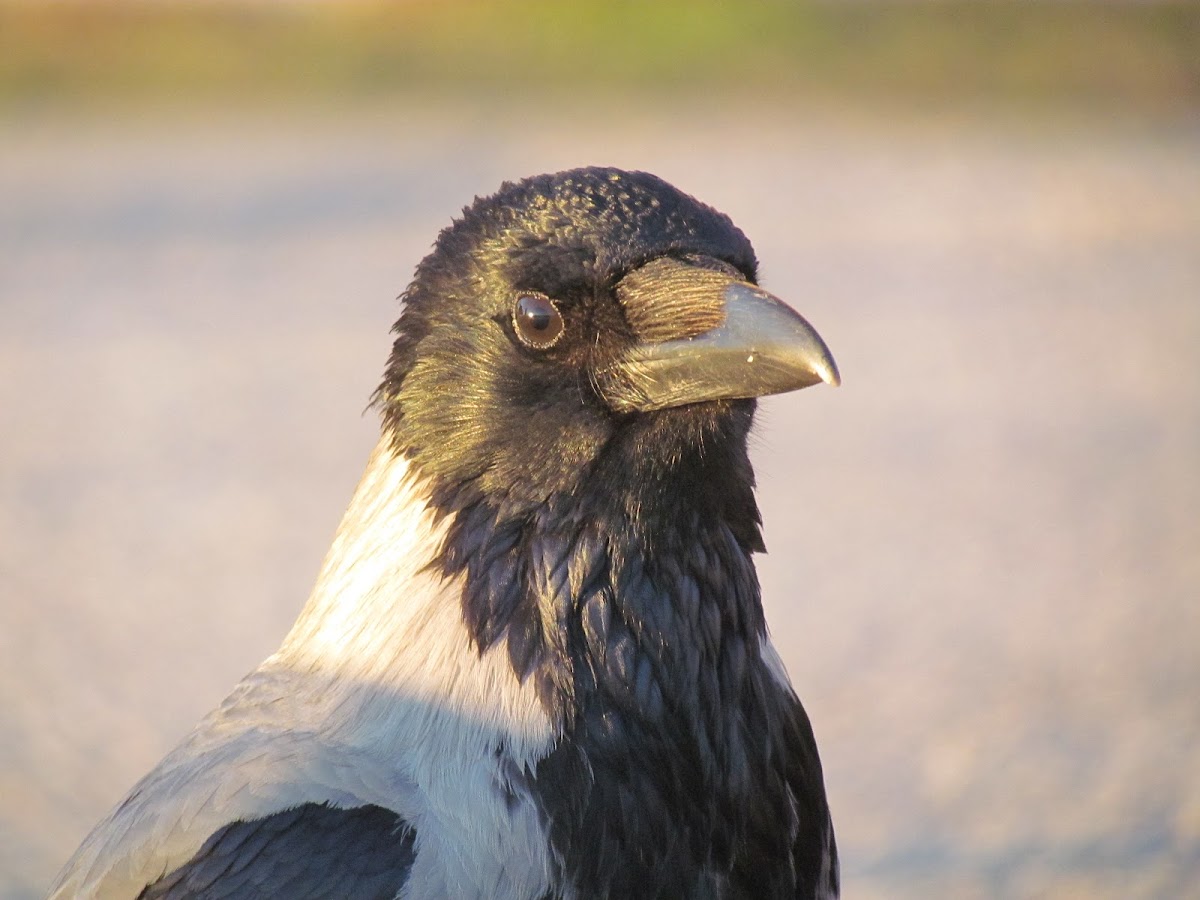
point(1144, 56)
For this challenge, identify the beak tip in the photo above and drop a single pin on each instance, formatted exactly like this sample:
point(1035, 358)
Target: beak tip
point(830, 375)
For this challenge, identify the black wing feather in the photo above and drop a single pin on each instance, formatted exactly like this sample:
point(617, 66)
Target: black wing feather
point(311, 851)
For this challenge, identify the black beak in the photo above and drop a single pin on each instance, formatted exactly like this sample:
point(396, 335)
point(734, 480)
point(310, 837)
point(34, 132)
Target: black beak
point(708, 335)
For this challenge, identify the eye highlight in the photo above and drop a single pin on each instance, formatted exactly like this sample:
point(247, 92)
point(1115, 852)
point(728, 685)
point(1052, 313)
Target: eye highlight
point(537, 321)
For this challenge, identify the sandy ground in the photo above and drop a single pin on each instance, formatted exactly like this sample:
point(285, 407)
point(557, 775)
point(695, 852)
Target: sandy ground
point(985, 548)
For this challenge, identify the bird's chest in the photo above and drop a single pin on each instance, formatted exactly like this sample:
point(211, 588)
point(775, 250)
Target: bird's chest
point(650, 818)
point(657, 801)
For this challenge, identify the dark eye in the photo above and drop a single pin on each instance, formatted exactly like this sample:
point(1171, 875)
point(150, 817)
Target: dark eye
point(537, 321)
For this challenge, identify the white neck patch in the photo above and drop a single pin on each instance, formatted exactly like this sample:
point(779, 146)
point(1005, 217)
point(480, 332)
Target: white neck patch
point(405, 682)
point(380, 619)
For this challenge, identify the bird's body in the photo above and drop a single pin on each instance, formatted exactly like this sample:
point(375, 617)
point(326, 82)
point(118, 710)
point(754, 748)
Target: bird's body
point(535, 662)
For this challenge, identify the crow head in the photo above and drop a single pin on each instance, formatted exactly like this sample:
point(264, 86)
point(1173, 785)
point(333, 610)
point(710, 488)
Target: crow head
point(590, 326)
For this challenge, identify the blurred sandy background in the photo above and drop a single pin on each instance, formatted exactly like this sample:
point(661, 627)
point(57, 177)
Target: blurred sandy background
point(985, 548)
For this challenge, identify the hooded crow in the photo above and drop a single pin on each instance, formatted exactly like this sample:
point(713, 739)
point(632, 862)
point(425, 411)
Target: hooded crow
point(535, 663)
